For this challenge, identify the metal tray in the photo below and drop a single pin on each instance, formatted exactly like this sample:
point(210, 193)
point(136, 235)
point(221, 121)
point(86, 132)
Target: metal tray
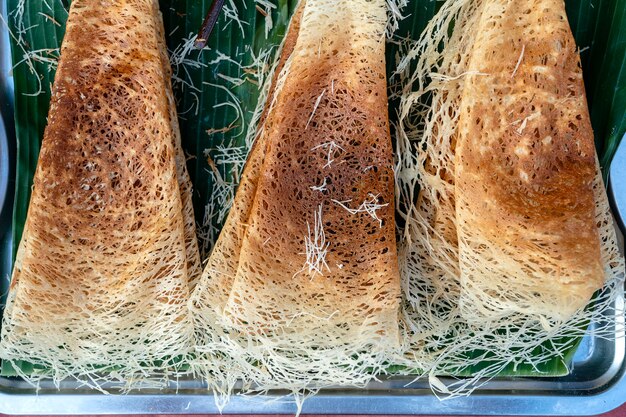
point(597, 383)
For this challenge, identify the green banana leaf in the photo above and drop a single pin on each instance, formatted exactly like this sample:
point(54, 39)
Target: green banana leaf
point(216, 96)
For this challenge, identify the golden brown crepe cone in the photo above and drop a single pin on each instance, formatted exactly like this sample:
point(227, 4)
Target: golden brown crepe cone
point(323, 154)
point(464, 67)
point(101, 277)
point(525, 168)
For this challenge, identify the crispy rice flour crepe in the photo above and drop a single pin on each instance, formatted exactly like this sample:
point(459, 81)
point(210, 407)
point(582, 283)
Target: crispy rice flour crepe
point(525, 168)
point(103, 270)
point(302, 288)
point(511, 233)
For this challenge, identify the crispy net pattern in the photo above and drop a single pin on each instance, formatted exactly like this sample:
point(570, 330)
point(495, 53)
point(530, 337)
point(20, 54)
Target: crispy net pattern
point(525, 164)
point(510, 233)
point(303, 281)
point(425, 167)
point(101, 279)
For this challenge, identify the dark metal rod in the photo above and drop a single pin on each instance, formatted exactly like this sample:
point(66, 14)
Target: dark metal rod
point(208, 24)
